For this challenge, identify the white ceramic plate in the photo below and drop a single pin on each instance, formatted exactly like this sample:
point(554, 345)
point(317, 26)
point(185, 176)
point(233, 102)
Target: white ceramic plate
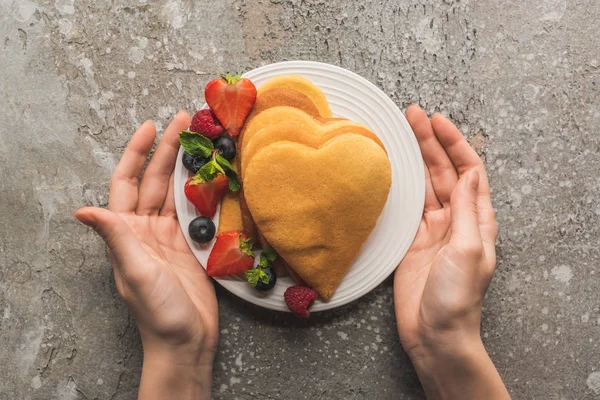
point(353, 97)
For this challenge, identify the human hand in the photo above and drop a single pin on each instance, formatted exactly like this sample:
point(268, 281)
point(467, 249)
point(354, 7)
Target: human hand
point(440, 285)
point(166, 289)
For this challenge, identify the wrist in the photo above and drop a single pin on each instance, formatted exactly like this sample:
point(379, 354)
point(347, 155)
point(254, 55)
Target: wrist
point(166, 376)
point(455, 345)
point(176, 373)
point(435, 355)
point(457, 367)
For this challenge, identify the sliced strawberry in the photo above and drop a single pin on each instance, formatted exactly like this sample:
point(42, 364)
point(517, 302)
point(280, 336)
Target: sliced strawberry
point(231, 98)
point(232, 254)
point(206, 196)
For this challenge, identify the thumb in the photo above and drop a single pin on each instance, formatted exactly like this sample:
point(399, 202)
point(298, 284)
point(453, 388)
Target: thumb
point(463, 204)
point(115, 232)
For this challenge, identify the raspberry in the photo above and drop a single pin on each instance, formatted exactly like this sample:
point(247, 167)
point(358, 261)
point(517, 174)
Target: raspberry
point(206, 124)
point(299, 299)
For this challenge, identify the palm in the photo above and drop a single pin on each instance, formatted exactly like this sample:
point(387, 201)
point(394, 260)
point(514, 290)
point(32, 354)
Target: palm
point(414, 271)
point(431, 286)
point(179, 283)
point(167, 290)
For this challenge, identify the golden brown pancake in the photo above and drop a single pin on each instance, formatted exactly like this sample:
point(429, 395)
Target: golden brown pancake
point(307, 129)
point(313, 137)
point(283, 97)
point(317, 207)
point(230, 218)
point(272, 116)
point(302, 85)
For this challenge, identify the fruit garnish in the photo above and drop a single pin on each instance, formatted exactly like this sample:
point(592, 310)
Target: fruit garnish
point(299, 299)
point(263, 276)
point(261, 279)
point(202, 230)
point(206, 194)
point(225, 147)
point(231, 255)
point(219, 165)
point(193, 163)
point(197, 145)
point(231, 98)
point(205, 123)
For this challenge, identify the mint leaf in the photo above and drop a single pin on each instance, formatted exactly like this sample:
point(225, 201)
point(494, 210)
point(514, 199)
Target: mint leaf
point(246, 246)
point(264, 277)
point(230, 172)
point(234, 183)
point(209, 171)
point(267, 256)
point(256, 274)
point(196, 144)
point(224, 163)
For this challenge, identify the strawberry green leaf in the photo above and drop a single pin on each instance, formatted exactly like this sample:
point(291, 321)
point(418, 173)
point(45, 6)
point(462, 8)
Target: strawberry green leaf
point(230, 78)
point(196, 144)
point(230, 172)
point(246, 246)
point(267, 256)
point(256, 274)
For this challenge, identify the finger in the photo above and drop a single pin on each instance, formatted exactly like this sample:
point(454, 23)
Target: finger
point(431, 201)
point(168, 207)
point(461, 153)
point(488, 226)
point(465, 222)
point(155, 182)
point(118, 236)
point(123, 194)
point(442, 172)
point(465, 159)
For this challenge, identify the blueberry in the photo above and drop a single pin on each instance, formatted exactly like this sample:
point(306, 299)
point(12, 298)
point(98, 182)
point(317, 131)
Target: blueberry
point(225, 146)
point(202, 229)
point(192, 163)
point(272, 279)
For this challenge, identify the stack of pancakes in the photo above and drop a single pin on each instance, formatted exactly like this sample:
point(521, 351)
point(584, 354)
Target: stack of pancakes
point(313, 186)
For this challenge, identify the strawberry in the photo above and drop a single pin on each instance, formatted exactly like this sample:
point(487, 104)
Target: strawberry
point(231, 98)
point(206, 196)
point(232, 254)
point(205, 123)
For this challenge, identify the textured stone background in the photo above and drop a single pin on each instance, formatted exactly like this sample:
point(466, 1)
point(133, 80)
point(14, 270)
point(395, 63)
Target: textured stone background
point(521, 78)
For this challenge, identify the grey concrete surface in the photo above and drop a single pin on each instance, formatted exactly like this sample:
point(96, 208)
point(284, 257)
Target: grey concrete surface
point(521, 79)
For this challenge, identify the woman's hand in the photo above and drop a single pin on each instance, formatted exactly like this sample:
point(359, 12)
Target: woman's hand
point(167, 290)
point(440, 285)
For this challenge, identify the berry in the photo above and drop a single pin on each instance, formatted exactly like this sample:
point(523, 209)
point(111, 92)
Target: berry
point(205, 123)
point(232, 254)
point(225, 146)
point(299, 299)
point(206, 196)
point(202, 230)
point(231, 98)
point(260, 285)
point(192, 163)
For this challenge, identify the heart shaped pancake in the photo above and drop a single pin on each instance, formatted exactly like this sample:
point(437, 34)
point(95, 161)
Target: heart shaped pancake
point(283, 97)
point(317, 207)
point(313, 136)
point(286, 114)
point(302, 85)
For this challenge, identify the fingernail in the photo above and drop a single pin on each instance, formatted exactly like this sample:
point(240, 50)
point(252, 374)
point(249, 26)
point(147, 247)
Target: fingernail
point(473, 179)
